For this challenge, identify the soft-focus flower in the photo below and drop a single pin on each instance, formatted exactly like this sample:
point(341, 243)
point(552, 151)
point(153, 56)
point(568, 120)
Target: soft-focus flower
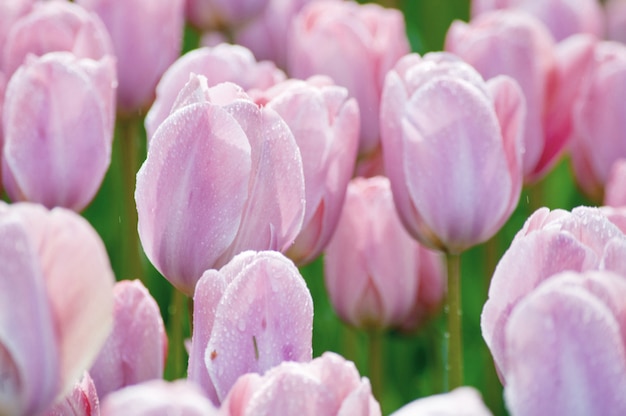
point(549, 243)
point(158, 398)
point(328, 385)
point(325, 124)
point(58, 129)
point(616, 20)
point(562, 17)
point(56, 304)
point(566, 347)
point(10, 12)
point(136, 349)
point(222, 14)
point(147, 38)
point(55, 26)
point(452, 149)
point(615, 189)
point(355, 44)
point(222, 176)
point(249, 316)
point(218, 64)
point(463, 401)
point(374, 271)
point(82, 400)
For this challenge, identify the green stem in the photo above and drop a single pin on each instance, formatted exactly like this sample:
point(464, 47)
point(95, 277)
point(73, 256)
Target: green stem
point(177, 356)
point(375, 358)
point(453, 307)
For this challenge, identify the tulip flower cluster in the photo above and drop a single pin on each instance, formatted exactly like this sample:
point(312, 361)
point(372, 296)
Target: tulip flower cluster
point(260, 207)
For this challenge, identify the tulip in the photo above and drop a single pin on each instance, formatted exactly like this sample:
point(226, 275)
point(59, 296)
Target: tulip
point(156, 398)
point(222, 176)
point(615, 190)
point(10, 12)
point(81, 401)
point(58, 129)
point(615, 20)
point(372, 266)
point(325, 124)
point(55, 26)
point(249, 316)
point(355, 45)
point(222, 14)
point(56, 304)
point(549, 242)
point(218, 64)
point(566, 347)
point(136, 349)
point(452, 148)
point(147, 38)
point(328, 385)
point(562, 17)
point(463, 401)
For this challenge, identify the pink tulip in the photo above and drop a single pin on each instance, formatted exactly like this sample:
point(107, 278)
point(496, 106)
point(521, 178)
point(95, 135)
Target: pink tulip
point(10, 12)
point(513, 43)
point(372, 265)
point(58, 129)
point(328, 385)
point(566, 347)
point(463, 401)
point(550, 242)
point(598, 121)
point(56, 304)
point(157, 398)
point(452, 149)
point(218, 64)
point(147, 38)
point(81, 401)
point(325, 124)
point(55, 26)
point(615, 13)
point(222, 176)
point(615, 190)
point(222, 14)
point(355, 45)
point(250, 316)
point(136, 349)
point(562, 17)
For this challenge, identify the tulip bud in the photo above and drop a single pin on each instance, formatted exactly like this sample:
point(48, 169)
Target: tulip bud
point(81, 401)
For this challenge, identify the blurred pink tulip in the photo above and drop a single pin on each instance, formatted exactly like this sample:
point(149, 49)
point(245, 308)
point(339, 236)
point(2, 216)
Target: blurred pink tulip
point(218, 64)
point(615, 190)
point(136, 349)
point(222, 14)
point(562, 17)
point(566, 347)
point(355, 44)
point(55, 26)
point(452, 149)
point(249, 316)
point(463, 401)
point(325, 124)
point(328, 385)
point(222, 176)
point(615, 13)
point(147, 38)
point(373, 268)
point(82, 400)
point(58, 129)
point(56, 304)
point(158, 398)
point(549, 243)
point(513, 43)
point(10, 12)
point(600, 119)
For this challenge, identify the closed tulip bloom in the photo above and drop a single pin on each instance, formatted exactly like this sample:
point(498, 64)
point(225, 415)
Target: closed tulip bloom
point(82, 400)
point(325, 124)
point(328, 385)
point(249, 316)
point(55, 26)
point(550, 242)
point(157, 398)
point(372, 265)
point(463, 401)
point(56, 304)
point(222, 176)
point(562, 17)
point(452, 149)
point(354, 44)
point(10, 12)
point(222, 14)
point(565, 347)
point(58, 129)
point(136, 349)
point(222, 63)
